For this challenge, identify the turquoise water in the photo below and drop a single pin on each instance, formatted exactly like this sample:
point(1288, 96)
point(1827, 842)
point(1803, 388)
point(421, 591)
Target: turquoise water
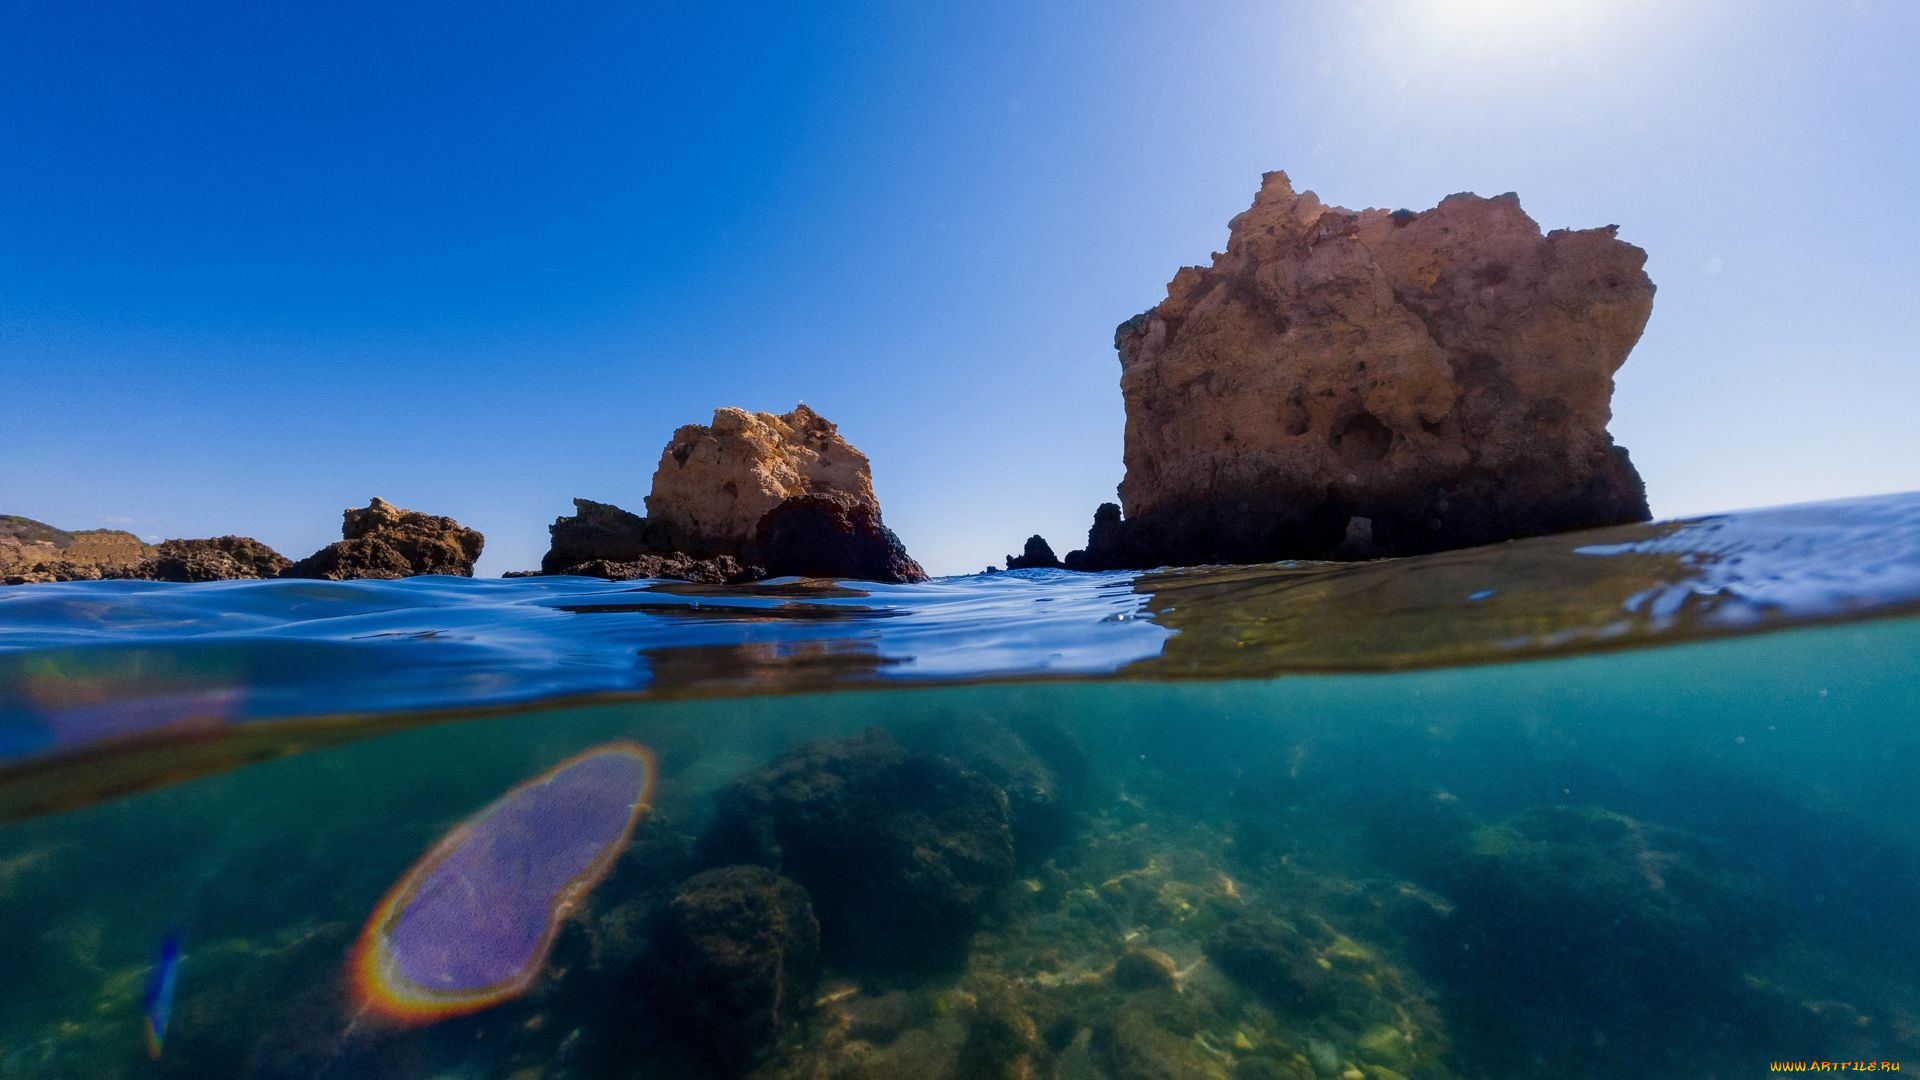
point(1633, 803)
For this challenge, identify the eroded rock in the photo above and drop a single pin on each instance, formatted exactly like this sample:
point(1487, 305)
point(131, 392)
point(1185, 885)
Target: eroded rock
point(834, 535)
point(382, 540)
point(751, 495)
point(1445, 375)
point(222, 558)
point(715, 482)
point(602, 540)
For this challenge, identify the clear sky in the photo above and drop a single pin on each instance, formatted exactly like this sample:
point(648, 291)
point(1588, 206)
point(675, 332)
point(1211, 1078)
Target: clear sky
point(261, 261)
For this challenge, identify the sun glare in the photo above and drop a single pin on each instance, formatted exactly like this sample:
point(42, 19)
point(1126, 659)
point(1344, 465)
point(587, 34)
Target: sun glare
point(1454, 48)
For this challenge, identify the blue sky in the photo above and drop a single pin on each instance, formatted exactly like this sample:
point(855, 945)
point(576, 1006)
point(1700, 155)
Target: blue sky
point(259, 262)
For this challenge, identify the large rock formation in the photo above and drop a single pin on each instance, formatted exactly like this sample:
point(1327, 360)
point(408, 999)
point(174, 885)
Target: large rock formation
point(1343, 382)
point(384, 541)
point(751, 496)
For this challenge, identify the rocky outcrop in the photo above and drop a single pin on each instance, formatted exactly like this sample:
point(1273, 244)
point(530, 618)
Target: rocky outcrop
point(832, 534)
point(716, 482)
point(1342, 382)
point(223, 558)
point(601, 540)
point(1037, 555)
point(750, 496)
point(32, 551)
point(385, 541)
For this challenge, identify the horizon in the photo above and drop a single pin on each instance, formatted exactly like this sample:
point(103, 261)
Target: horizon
point(266, 265)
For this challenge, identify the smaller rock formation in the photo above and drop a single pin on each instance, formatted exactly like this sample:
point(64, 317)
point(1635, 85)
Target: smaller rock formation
point(834, 535)
point(385, 541)
point(1038, 555)
point(900, 851)
point(716, 482)
point(33, 551)
point(752, 495)
point(1141, 968)
point(223, 558)
point(742, 946)
point(601, 540)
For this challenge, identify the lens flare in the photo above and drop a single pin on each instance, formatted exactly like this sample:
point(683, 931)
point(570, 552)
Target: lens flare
point(470, 924)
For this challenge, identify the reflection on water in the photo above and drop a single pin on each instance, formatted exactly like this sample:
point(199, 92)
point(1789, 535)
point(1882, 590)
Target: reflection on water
point(100, 663)
point(1682, 861)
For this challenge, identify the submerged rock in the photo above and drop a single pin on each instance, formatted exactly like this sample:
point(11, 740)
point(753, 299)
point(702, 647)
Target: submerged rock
point(1445, 375)
point(832, 535)
point(1041, 768)
point(385, 541)
point(1144, 969)
point(1572, 922)
point(901, 852)
point(1271, 959)
point(742, 946)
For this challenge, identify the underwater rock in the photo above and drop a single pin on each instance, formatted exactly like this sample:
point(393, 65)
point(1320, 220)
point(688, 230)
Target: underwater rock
point(743, 947)
point(384, 541)
point(1040, 767)
point(715, 482)
point(1144, 969)
point(1037, 555)
point(470, 924)
point(222, 558)
point(901, 852)
point(1136, 1044)
point(1003, 1042)
point(1446, 375)
point(832, 535)
point(1269, 957)
point(1572, 921)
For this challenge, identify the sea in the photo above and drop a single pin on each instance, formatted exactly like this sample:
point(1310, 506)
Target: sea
point(1632, 803)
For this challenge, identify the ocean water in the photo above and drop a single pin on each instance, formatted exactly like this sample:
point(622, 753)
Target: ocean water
point(1642, 802)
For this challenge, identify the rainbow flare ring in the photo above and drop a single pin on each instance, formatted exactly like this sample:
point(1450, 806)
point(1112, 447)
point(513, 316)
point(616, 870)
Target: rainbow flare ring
point(470, 924)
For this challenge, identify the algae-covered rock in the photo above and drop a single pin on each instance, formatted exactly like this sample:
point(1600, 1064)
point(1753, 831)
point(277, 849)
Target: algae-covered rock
point(1135, 1044)
point(1040, 767)
point(1144, 969)
point(1576, 922)
point(742, 945)
point(1270, 958)
point(900, 851)
point(1003, 1042)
